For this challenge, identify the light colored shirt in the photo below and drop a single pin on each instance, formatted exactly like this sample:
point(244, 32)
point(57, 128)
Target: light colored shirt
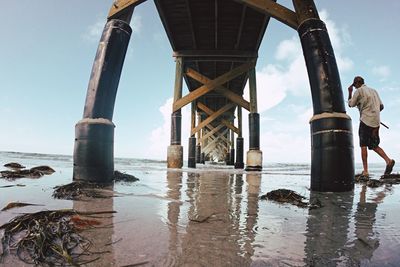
point(369, 104)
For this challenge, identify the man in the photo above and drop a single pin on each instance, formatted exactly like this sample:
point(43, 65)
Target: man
point(370, 105)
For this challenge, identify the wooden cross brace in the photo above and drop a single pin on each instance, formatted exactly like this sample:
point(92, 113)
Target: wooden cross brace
point(211, 118)
point(275, 10)
point(209, 112)
point(211, 85)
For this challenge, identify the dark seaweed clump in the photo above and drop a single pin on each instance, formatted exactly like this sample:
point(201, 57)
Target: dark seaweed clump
point(50, 237)
point(286, 196)
point(80, 189)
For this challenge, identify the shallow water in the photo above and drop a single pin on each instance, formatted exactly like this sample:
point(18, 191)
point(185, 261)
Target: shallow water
point(214, 217)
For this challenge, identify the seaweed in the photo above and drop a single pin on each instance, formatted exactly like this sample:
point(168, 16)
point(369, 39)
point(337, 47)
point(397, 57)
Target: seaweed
point(14, 165)
point(286, 196)
point(79, 189)
point(20, 172)
point(124, 177)
point(49, 237)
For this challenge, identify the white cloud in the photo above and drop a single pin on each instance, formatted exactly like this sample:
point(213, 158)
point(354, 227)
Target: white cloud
point(382, 71)
point(93, 32)
point(160, 137)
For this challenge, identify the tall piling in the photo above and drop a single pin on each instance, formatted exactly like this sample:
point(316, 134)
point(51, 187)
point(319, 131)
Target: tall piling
point(94, 134)
point(239, 164)
point(332, 155)
point(254, 155)
point(192, 139)
point(175, 150)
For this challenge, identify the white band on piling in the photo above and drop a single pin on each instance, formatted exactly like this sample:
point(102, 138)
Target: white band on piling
point(327, 115)
point(96, 121)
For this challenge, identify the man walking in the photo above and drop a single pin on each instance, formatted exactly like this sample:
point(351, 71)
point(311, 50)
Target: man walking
point(370, 105)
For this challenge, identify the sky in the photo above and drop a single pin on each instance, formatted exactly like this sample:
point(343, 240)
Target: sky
point(47, 50)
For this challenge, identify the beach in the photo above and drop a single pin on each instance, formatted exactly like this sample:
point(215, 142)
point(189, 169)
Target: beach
point(213, 216)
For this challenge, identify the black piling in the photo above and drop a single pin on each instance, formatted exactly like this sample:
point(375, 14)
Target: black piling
point(94, 134)
point(239, 164)
point(254, 131)
point(198, 154)
point(192, 152)
point(232, 157)
point(332, 160)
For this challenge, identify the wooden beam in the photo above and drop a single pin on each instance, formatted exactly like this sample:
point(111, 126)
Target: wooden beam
point(209, 112)
point(220, 135)
point(275, 10)
point(212, 117)
point(215, 53)
point(204, 89)
point(207, 147)
point(210, 133)
point(119, 6)
point(222, 90)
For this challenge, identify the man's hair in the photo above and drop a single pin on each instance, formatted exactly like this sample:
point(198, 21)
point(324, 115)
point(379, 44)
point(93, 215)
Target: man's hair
point(358, 79)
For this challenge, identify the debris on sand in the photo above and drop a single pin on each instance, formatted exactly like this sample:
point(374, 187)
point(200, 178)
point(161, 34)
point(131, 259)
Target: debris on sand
point(13, 205)
point(286, 196)
point(359, 178)
point(374, 183)
point(13, 165)
point(80, 189)
point(124, 177)
point(390, 178)
point(43, 169)
point(50, 238)
point(12, 185)
point(15, 173)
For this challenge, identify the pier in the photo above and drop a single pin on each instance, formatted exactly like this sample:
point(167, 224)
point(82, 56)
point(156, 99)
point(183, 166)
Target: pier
point(215, 45)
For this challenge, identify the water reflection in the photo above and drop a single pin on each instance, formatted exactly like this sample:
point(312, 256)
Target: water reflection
point(327, 229)
point(101, 235)
point(216, 230)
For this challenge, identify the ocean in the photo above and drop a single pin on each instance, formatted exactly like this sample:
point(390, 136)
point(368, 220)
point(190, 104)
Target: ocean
point(213, 216)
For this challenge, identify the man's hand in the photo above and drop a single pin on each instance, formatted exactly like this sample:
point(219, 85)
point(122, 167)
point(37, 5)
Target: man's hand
point(350, 90)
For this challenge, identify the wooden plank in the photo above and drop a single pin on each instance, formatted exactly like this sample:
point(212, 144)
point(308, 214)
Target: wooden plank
point(209, 111)
point(120, 5)
point(204, 89)
point(212, 117)
point(220, 89)
point(275, 10)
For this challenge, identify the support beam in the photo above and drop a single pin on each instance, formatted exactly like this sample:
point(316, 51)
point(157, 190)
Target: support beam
point(209, 112)
point(332, 155)
point(221, 136)
point(212, 132)
point(94, 134)
point(275, 10)
point(222, 90)
point(212, 117)
point(202, 90)
point(119, 7)
point(226, 140)
point(253, 90)
point(175, 150)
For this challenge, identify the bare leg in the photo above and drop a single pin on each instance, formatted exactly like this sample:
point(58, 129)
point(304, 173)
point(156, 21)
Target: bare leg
point(382, 153)
point(364, 157)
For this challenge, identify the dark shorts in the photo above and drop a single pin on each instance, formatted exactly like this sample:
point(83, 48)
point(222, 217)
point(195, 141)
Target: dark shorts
point(369, 136)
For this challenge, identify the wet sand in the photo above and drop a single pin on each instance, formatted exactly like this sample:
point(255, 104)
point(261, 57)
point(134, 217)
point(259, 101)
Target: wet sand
point(214, 217)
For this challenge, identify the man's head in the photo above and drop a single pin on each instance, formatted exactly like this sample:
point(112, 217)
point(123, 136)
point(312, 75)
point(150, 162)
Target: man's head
point(358, 81)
